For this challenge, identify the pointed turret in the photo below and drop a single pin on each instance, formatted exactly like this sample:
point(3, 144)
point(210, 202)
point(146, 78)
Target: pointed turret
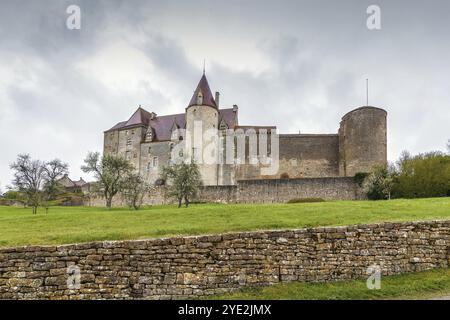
point(202, 95)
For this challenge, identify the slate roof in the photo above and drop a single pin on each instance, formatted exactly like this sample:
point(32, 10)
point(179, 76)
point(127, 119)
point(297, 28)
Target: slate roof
point(162, 125)
point(203, 87)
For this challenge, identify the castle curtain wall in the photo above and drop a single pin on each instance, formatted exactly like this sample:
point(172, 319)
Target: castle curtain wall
point(309, 155)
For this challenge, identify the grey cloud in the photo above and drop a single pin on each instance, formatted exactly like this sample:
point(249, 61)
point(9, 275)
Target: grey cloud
point(312, 61)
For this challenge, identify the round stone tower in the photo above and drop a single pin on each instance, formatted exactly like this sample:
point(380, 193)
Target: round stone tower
point(362, 140)
point(202, 116)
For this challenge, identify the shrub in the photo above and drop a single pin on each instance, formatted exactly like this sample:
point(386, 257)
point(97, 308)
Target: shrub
point(379, 183)
point(360, 177)
point(423, 176)
point(306, 200)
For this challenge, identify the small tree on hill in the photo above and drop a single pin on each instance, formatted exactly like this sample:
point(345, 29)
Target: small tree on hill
point(134, 188)
point(110, 172)
point(54, 170)
point(29, 176)
point(378, 184)
point(185, 181)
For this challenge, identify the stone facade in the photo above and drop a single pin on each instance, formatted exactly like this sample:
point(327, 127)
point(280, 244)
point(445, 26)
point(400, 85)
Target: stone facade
point(190, 267)
point(151, 142)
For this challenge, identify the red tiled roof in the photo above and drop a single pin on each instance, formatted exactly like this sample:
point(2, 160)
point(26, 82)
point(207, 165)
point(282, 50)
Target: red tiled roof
point(203, 87)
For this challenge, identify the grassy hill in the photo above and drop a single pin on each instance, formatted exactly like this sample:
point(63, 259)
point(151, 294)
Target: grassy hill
point(81, 224)
point(420, 285)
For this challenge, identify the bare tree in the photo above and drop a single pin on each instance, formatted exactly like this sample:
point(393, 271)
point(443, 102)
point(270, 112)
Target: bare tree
point(110, 172)
point(448, 146)
point(29, 176)
point(54, 171)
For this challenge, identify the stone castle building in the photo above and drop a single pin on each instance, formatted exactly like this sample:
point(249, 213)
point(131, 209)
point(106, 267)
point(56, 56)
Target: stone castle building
point(151, 141)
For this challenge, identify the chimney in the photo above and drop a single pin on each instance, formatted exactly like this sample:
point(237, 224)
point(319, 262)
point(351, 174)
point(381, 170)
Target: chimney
point(152, 115)
point(217, 98)
point(235, 108)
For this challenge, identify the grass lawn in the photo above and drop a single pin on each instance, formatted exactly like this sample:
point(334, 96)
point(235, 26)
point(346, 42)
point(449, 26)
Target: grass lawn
point(80, 224)
point(421, 285)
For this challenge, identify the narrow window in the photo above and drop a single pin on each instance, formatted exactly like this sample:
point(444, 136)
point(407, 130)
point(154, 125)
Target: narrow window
point(199, 99)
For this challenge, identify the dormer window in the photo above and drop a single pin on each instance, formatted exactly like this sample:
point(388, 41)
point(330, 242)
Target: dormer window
point(174, 130)
point(199, 98)
point(223, 125)
point(149, 136)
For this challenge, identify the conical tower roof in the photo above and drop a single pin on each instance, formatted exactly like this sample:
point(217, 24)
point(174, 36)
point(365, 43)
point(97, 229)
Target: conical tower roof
point(203, 88)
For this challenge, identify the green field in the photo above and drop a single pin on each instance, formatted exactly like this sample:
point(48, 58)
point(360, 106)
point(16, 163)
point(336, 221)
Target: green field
point(80, 224)
point(421, 285)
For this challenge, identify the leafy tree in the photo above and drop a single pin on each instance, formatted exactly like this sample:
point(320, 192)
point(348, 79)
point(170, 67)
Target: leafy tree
point(29, 176)
point(134, 188)
point(54, 171)
point(378, 184)
point(110, 172)
point(185, 181)
point(424, 175)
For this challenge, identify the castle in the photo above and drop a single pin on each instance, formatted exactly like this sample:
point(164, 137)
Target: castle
point(246, 152)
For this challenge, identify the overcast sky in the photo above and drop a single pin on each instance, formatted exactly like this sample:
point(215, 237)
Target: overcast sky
point(299, 65)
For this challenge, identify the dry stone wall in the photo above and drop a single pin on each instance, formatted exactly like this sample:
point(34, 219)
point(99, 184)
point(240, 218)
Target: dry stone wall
point(190, 267)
